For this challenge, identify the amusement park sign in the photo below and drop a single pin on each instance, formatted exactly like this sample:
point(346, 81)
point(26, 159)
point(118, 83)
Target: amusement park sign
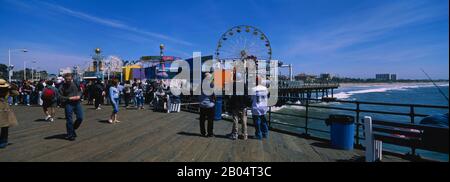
point(159, 58)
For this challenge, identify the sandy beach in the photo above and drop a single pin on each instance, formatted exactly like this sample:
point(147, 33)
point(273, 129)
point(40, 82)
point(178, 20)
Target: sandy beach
point(343, 85)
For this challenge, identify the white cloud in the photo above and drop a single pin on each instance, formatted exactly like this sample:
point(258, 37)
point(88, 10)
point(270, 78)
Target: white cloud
point(48, 60)
point(47, 56)
point(113, 23)
point(371, 38)
point(362, 26)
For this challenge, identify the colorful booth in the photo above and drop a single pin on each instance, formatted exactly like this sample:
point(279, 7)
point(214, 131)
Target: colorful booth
point(128, 71)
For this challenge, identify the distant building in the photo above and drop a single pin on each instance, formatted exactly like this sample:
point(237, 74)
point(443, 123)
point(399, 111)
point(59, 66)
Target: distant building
point(386, 77)
point(52, 77)
point(283, 77)
point(383, 77)
point(63, 71)
point(325, 77)
point(393, 77)
point(306, 78)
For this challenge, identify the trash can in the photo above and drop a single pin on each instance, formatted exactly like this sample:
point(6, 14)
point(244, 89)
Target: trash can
point(342, 131)
point(218, 108)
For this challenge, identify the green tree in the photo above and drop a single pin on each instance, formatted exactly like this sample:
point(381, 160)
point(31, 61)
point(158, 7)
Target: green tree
point(3, 71)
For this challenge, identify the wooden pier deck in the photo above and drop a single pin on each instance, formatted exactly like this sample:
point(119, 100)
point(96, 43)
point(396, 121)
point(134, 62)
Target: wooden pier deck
point(144, 135)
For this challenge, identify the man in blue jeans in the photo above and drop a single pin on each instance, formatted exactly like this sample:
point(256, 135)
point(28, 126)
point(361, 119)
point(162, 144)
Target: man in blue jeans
point(26, 91)
point(259, 109)
point(70, 96)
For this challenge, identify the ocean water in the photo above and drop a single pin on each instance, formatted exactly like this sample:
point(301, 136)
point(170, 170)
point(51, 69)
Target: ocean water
point(410, 93)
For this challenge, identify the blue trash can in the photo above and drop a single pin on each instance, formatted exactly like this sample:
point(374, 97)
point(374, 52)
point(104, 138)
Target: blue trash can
point(218, 108)
point(342, 131)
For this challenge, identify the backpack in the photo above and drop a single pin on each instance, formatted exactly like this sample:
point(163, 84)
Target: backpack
point(127, 88)
point(40, 86)
point(48, 94)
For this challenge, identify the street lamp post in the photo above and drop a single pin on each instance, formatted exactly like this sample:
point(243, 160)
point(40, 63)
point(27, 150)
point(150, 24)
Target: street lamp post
point(32, 71)
point(109, 68)
point(40, 72)
point(9, 61)
point(24, 71)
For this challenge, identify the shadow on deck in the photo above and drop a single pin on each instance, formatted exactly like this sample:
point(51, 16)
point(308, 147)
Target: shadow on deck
point(150, 136)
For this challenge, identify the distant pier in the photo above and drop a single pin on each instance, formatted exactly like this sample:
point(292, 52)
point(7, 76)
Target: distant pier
point(295, 91)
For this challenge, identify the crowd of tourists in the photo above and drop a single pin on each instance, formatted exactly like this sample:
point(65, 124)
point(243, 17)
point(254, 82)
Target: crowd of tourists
point(69, 94)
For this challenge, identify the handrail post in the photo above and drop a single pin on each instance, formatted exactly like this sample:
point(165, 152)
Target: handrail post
point(411, 114)
point(306, 118)
point(357, 123)
point(270, 116)
point(370, 151)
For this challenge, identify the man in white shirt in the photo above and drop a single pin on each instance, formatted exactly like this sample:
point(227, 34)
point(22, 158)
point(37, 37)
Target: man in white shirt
point(259, 109)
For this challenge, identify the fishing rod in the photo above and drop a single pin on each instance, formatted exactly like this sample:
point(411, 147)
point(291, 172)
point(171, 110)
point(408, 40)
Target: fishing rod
point(442, 93)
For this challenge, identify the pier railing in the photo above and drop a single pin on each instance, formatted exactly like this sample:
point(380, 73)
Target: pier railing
point(356, 111)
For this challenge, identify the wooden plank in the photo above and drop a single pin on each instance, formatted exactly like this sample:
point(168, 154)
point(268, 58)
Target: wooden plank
point(149, 140)
point(125, 138)
point(94, 141)
point(152, 136)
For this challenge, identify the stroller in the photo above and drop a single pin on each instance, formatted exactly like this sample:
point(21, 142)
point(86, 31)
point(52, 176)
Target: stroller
point(161, 99)
point(164, 101)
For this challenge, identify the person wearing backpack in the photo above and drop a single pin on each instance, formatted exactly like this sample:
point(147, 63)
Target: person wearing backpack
point(207, 104)
point(133, 94)
point(127, 87)
point(40, 88)
point(120, 87)
point(139, 95)
point(49, 98)
point(98, 94)
point(239, 102)
point(89, 92)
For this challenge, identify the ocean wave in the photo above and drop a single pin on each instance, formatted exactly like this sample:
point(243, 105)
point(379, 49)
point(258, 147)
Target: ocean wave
point(342, 95)
point(385, 88)
point(274, 109)
point(294, 107)
point(281, 122)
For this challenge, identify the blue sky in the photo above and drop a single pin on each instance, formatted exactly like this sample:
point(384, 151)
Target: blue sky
point(353, 38)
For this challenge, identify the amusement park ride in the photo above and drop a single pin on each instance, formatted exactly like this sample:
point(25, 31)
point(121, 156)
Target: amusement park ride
point(241, 42)
point(94, 70)
point(161, 63)
point(100, 67)
point(114, 67)
point(246, 42)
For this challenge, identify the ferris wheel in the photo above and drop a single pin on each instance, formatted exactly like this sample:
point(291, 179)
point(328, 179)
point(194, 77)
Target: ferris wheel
point(241, 42)
point(114, 64)
point(86, 66)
